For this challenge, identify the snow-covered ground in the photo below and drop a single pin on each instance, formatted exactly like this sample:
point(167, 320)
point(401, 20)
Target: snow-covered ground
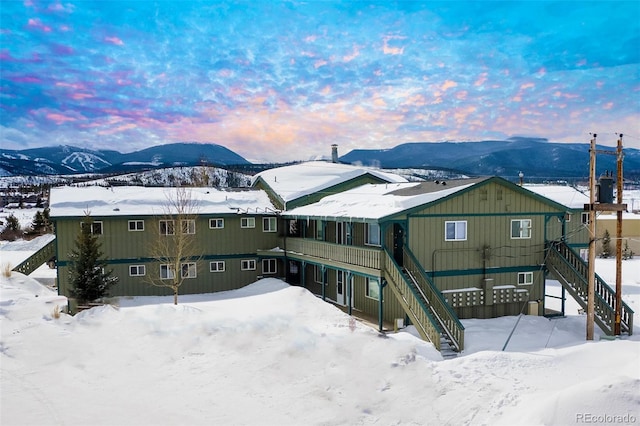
point(272, 354)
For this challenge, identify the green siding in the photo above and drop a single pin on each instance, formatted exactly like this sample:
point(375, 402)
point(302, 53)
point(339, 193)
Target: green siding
point(123, 248)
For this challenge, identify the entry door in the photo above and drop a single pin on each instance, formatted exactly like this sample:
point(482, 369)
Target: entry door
point(341, 289)
point(341, 294)
point(398, 243)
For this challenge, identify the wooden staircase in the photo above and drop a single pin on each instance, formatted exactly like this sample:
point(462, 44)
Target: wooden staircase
point(33, 262)
point(424, 305)
point(572, 273)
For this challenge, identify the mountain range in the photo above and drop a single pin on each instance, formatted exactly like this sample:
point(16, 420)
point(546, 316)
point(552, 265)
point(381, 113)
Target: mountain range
point(66, 159)
point(536, 158)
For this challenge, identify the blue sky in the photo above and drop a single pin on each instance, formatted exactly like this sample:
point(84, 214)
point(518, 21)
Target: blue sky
point(285, 80)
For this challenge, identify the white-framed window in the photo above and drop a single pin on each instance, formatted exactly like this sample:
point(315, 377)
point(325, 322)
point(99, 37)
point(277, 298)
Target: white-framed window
point(525, 278)
point(95, 227)
point(188, 270)
point(372, 231)
point(248, 265)
point(247, 222)
point(269, 224)
point(188, 226)
point(216, 223)
point(520, 228)
point(137, 270)
point(373, 288)
point(455, 230)
point(318, 275)
point(167, 271)
point(216, 266)
point(167, 227)
point(136, 225)
point(567, 217)
point(269, 266)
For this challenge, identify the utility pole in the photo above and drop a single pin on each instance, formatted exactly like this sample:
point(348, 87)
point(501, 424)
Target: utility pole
point(592, 239)
point(604, 205)
point(619, 239)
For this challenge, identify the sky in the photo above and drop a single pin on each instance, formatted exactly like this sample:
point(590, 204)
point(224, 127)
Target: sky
point(292, 359)
point(284, 80)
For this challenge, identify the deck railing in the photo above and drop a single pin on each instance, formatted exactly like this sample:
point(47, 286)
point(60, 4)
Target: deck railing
point(573, 274)
point(352, 255)
point(34, 261)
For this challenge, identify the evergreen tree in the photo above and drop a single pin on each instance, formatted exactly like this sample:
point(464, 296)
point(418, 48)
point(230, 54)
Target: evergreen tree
point(627, 253)
point(606, 245)
point(38, 224)
point(87, 274)
point(12, 229)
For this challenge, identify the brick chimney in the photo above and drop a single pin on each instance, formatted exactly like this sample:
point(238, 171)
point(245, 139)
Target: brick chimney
point(334, 153)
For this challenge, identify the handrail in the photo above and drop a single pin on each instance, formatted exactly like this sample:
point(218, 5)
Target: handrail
point(413, 305)
point(439, 306)
point(34, 261)
point(605, 295)
point(367, 257)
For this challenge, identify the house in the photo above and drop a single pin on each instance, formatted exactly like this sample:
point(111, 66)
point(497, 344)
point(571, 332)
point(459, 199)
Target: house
point(607, 222)
point(397, 252)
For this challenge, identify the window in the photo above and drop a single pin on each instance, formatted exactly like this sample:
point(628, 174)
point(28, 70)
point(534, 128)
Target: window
point(319, 230)
point(484, 195)
point(216, 266)
point(269, 224)
point(455, 230)
point(216, 223)
point(373, 288)
point(188, 226)
point(269, 266)
point(318, 275)
point(584, 218)
point(167, 272)
point(520, 228)
point(95, 228)
point(525, 278)
point(136, 225)
point(248, 265)
point(188, 270)
point(247, 222)
point(167, 227)
point(499, 194)
point(373, 234)
point(137, 270)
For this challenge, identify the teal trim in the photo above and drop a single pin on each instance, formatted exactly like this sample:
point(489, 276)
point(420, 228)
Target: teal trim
point(480, 271)
point(152, 259)
point(487, 214)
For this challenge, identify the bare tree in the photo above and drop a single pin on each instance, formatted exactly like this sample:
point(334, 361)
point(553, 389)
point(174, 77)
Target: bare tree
point(176, 247)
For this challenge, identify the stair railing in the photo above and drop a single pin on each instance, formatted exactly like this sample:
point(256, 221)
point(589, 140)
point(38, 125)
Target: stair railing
point(574, 272)
point(412, 302)
point(441, 310)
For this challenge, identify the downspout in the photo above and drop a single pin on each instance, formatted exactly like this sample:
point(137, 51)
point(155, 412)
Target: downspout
point(349, 277)
point(383, 284)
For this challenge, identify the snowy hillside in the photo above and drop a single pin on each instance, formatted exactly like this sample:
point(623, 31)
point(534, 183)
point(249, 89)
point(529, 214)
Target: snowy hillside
point(271, 354)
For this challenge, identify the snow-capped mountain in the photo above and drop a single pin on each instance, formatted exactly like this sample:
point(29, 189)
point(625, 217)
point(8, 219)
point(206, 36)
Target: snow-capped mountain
point(66, 159)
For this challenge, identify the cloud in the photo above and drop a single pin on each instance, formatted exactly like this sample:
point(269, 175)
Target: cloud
point(114, 40)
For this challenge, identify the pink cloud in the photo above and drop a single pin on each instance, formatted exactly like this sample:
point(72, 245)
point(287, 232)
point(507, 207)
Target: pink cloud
point(59, 118)
point(389, 50)
point(608, 105)
point(481, 79)
point(114, 40)
point(448, 84)
point(38, 25)
point(355, 54)
point(461, 95)
point(527, 86)
point(319, 63)
point(542, 72)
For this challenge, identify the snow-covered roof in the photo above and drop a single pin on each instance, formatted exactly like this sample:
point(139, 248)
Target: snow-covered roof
point(298, 180)
point(145, 201)
point(566, 195)
point(373, 202)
